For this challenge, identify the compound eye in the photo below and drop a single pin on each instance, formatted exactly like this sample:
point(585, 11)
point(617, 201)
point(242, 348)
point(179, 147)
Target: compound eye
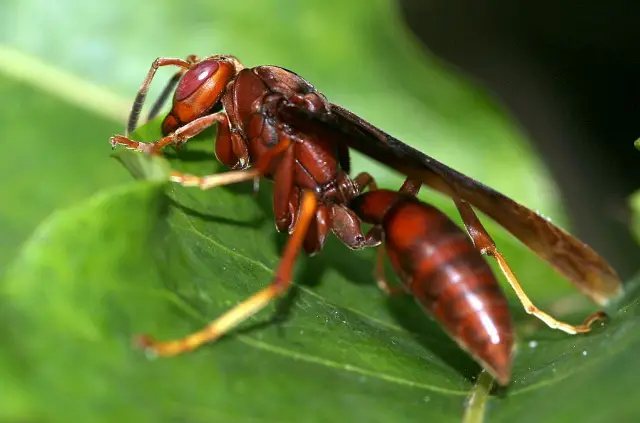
point(195, 77)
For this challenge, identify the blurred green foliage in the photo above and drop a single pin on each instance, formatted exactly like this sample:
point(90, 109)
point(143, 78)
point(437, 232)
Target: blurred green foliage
point(120, 257)
point(635, 218)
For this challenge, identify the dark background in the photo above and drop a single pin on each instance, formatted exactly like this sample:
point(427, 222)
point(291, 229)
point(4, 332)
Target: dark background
point(570, 73)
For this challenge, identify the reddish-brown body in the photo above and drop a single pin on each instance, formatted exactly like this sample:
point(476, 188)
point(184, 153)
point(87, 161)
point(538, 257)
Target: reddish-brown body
point(274, 124)
point(445, 272)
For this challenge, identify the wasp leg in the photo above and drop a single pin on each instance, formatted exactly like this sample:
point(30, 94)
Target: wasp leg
point(241, 312)
point(166, 92)
point(144, 88)
point(231, 177)
point(179, 137)
point(487, 246)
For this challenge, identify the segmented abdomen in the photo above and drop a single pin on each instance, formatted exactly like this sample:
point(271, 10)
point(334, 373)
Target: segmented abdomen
point(448, 276)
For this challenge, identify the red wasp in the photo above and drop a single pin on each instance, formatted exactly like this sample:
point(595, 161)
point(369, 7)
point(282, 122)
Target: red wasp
point(272, 123)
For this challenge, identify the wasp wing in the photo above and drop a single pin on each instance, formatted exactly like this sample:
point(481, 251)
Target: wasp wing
point(576, 261)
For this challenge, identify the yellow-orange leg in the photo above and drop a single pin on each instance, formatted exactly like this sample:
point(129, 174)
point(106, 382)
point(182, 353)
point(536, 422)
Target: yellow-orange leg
point(179, 137)
point(232, 318)
point(487, 246)
point(144, 88)
point(226, 178)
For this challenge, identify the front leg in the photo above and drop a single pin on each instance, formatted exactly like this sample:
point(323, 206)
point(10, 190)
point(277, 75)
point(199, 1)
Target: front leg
point(179, 137)
point(185, 65)
point(166, 92)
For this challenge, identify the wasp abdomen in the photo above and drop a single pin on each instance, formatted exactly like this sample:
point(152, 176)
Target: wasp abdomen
point(448, 276)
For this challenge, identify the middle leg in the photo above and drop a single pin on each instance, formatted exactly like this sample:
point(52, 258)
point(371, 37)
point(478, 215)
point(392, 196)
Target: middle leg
point(226, 178)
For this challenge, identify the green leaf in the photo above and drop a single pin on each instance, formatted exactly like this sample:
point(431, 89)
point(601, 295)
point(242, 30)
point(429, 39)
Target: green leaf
point(141, 166)
point(131, 260)
point(54, 154)
point(634, 203)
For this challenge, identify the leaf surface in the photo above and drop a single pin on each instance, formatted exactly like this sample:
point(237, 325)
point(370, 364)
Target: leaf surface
point(136, 260)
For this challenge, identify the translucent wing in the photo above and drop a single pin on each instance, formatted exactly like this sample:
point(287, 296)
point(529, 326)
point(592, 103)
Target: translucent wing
point(580, 264)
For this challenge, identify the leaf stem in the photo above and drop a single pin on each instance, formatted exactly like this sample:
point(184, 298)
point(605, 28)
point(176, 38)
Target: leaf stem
point(70, 88)
point(477, 400)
